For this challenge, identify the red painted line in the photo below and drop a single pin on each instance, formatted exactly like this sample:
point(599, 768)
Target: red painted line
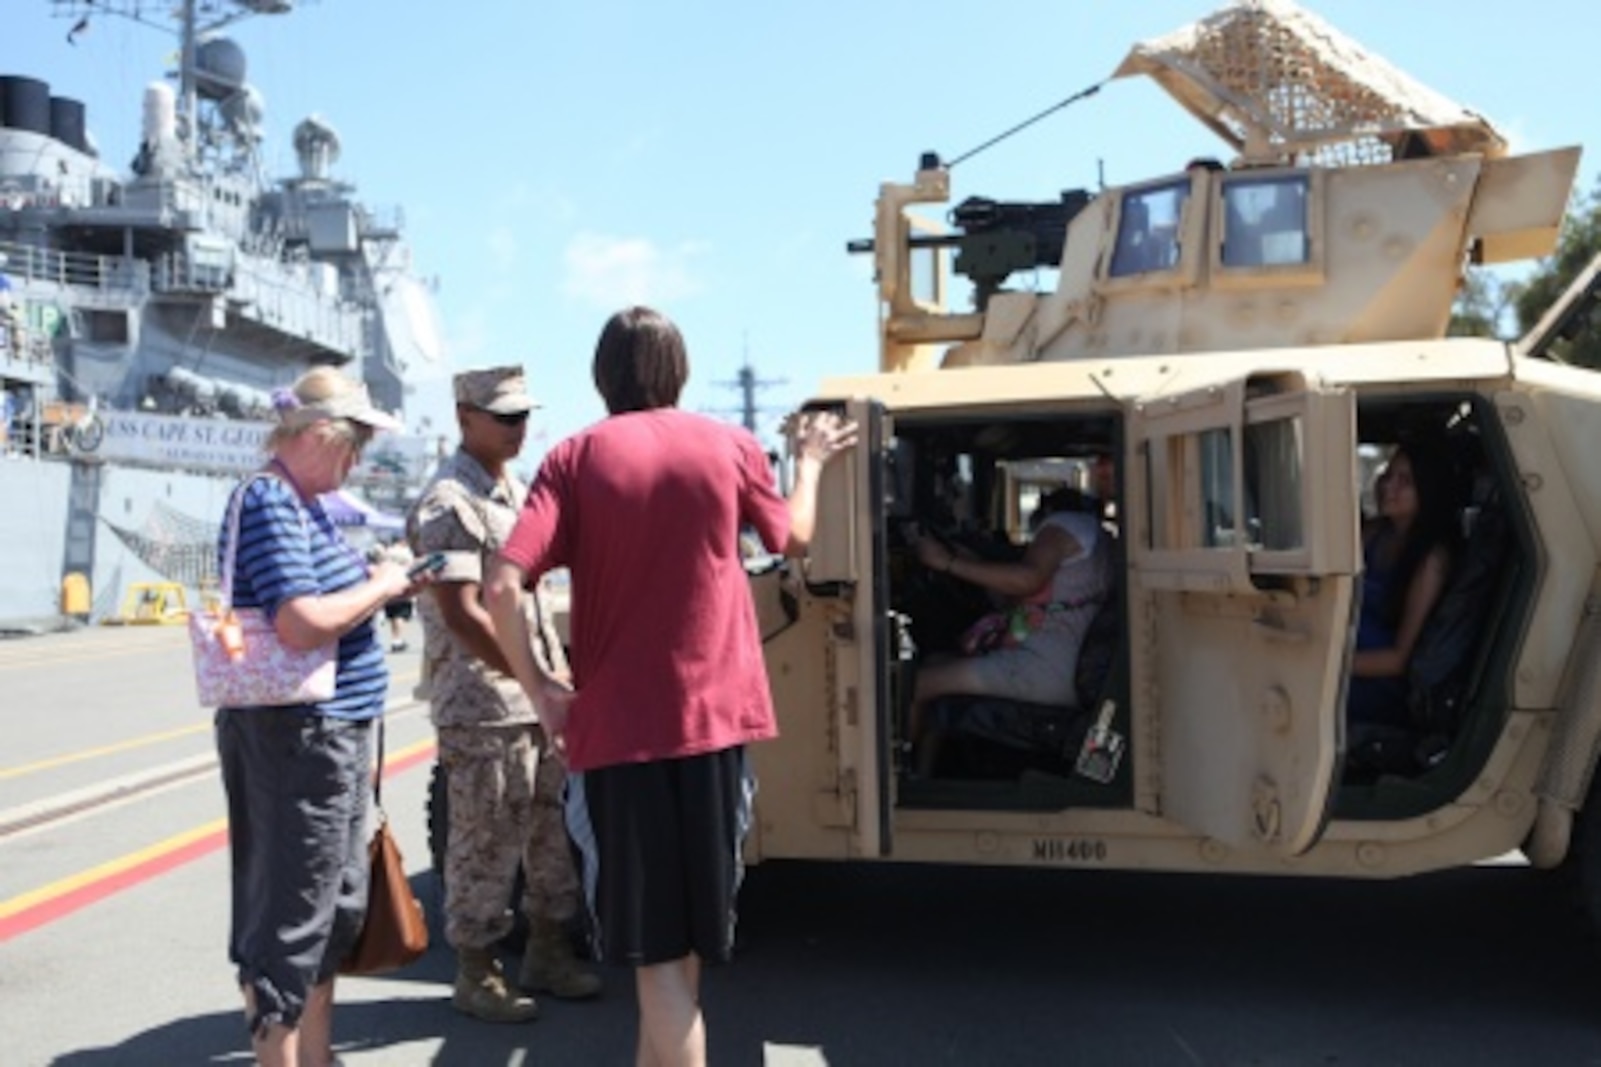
point(59, 907)
point(404, 763)
point(48, 911)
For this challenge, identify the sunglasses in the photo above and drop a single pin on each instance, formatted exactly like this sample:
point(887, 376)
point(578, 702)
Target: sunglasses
point(510, 418)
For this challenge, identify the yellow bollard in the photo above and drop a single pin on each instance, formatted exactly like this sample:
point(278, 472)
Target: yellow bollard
point(75, 599)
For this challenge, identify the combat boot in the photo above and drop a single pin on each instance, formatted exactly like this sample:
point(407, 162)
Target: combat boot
point(482, 992)
point(549, 965)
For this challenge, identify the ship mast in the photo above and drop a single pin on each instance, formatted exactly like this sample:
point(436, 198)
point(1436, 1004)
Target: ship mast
point(187, 92)
point(190, 32)
point(748, 384)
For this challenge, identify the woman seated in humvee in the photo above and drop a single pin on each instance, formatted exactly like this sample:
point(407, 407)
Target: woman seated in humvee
point(1028, 653)
point(1407, 552)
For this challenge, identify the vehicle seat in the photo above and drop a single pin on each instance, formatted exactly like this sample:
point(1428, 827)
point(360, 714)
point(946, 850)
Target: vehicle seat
point(1001, 738)
point(1015, 735)
point(1444, 671)
point(1448, 661)
point(1097, 655)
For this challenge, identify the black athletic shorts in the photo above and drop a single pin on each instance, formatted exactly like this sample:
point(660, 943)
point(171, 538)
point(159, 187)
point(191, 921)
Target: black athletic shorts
point(659, 854)
point(397, 609)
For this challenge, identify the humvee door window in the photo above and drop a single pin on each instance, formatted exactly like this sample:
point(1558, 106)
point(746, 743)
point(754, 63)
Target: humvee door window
point(1217, 488)
point(1272, 490)
point(1264, 221)
point(1273, 485)
point(1193, 480)
point(1148, 229)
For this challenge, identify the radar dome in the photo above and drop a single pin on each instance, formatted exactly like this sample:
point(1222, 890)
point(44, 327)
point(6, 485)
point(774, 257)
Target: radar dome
point(317, 147)
point(220, 64)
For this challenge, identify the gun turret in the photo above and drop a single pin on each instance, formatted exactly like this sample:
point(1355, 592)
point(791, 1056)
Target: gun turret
point(1346, 219)
point(997, 238)
point(1002, 237)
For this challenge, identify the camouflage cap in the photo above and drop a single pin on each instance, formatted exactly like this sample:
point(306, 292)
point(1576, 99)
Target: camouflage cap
point(501, 390)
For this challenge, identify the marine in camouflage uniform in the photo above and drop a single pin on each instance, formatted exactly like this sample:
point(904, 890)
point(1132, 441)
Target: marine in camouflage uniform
point(504, 781)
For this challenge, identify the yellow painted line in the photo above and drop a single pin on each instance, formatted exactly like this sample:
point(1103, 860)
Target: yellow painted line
point(60, 898)
point(103, 750)
point(108, 870)
point(132, 743)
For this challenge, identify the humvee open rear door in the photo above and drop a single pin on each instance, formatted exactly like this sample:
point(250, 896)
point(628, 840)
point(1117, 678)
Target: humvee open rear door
point(847, 561)
point(1243, 541)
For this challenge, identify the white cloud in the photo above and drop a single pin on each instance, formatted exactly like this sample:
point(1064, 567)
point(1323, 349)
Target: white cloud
point(610, 272)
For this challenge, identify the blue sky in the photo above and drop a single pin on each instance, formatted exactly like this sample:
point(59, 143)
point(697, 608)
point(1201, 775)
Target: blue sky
point(557, 161)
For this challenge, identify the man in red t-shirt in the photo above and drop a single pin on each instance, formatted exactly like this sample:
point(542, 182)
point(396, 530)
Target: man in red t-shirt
point(645, 509)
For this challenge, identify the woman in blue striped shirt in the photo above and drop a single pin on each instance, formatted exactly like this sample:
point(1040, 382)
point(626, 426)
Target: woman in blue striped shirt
point(297, 777)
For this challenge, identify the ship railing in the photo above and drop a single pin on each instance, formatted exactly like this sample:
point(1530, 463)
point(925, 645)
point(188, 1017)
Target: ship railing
point(23, 355)
point(37, 429)
point(23, 349)
point(289, 297)
point(381, 222)
point(269, 292)
point(166, 196)
point(179, 273)
point(84, 270)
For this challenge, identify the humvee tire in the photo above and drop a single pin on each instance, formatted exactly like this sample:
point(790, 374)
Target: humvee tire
point(1581, 871)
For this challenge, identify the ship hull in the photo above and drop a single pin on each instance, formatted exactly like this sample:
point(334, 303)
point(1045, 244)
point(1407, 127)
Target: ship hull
point(63, 518)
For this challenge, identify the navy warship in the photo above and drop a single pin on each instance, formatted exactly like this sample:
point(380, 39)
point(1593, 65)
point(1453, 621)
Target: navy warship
point(147, 313)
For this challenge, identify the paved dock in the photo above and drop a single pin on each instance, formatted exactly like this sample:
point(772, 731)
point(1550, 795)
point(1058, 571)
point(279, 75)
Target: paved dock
point(113, 916)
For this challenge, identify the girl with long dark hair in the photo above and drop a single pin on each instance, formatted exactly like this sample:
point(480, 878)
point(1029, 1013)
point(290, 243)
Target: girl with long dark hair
point(1407, 552)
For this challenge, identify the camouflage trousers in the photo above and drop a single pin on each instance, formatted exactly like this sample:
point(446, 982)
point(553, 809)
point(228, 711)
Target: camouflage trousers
point(505, 807)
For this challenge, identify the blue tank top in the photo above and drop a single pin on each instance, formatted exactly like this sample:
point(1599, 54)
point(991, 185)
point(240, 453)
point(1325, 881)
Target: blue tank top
point(1372, 629)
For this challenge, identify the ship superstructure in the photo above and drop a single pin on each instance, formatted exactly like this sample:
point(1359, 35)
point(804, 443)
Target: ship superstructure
point(146, 314)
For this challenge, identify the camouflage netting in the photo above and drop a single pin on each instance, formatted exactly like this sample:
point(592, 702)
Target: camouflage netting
point(1281, 85)
point(175, 546)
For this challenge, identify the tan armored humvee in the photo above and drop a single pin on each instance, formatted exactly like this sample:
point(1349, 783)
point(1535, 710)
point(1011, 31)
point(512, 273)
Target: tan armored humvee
point(1246, 340)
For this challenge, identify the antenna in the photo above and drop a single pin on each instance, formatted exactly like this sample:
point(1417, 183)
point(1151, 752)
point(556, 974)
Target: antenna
point(191, 21)
point(1026, 123)
point(747, 383)
point(208, 14)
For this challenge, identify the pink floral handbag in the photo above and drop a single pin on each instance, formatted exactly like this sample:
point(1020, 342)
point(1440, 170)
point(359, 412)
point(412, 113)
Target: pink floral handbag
point(239, 660)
